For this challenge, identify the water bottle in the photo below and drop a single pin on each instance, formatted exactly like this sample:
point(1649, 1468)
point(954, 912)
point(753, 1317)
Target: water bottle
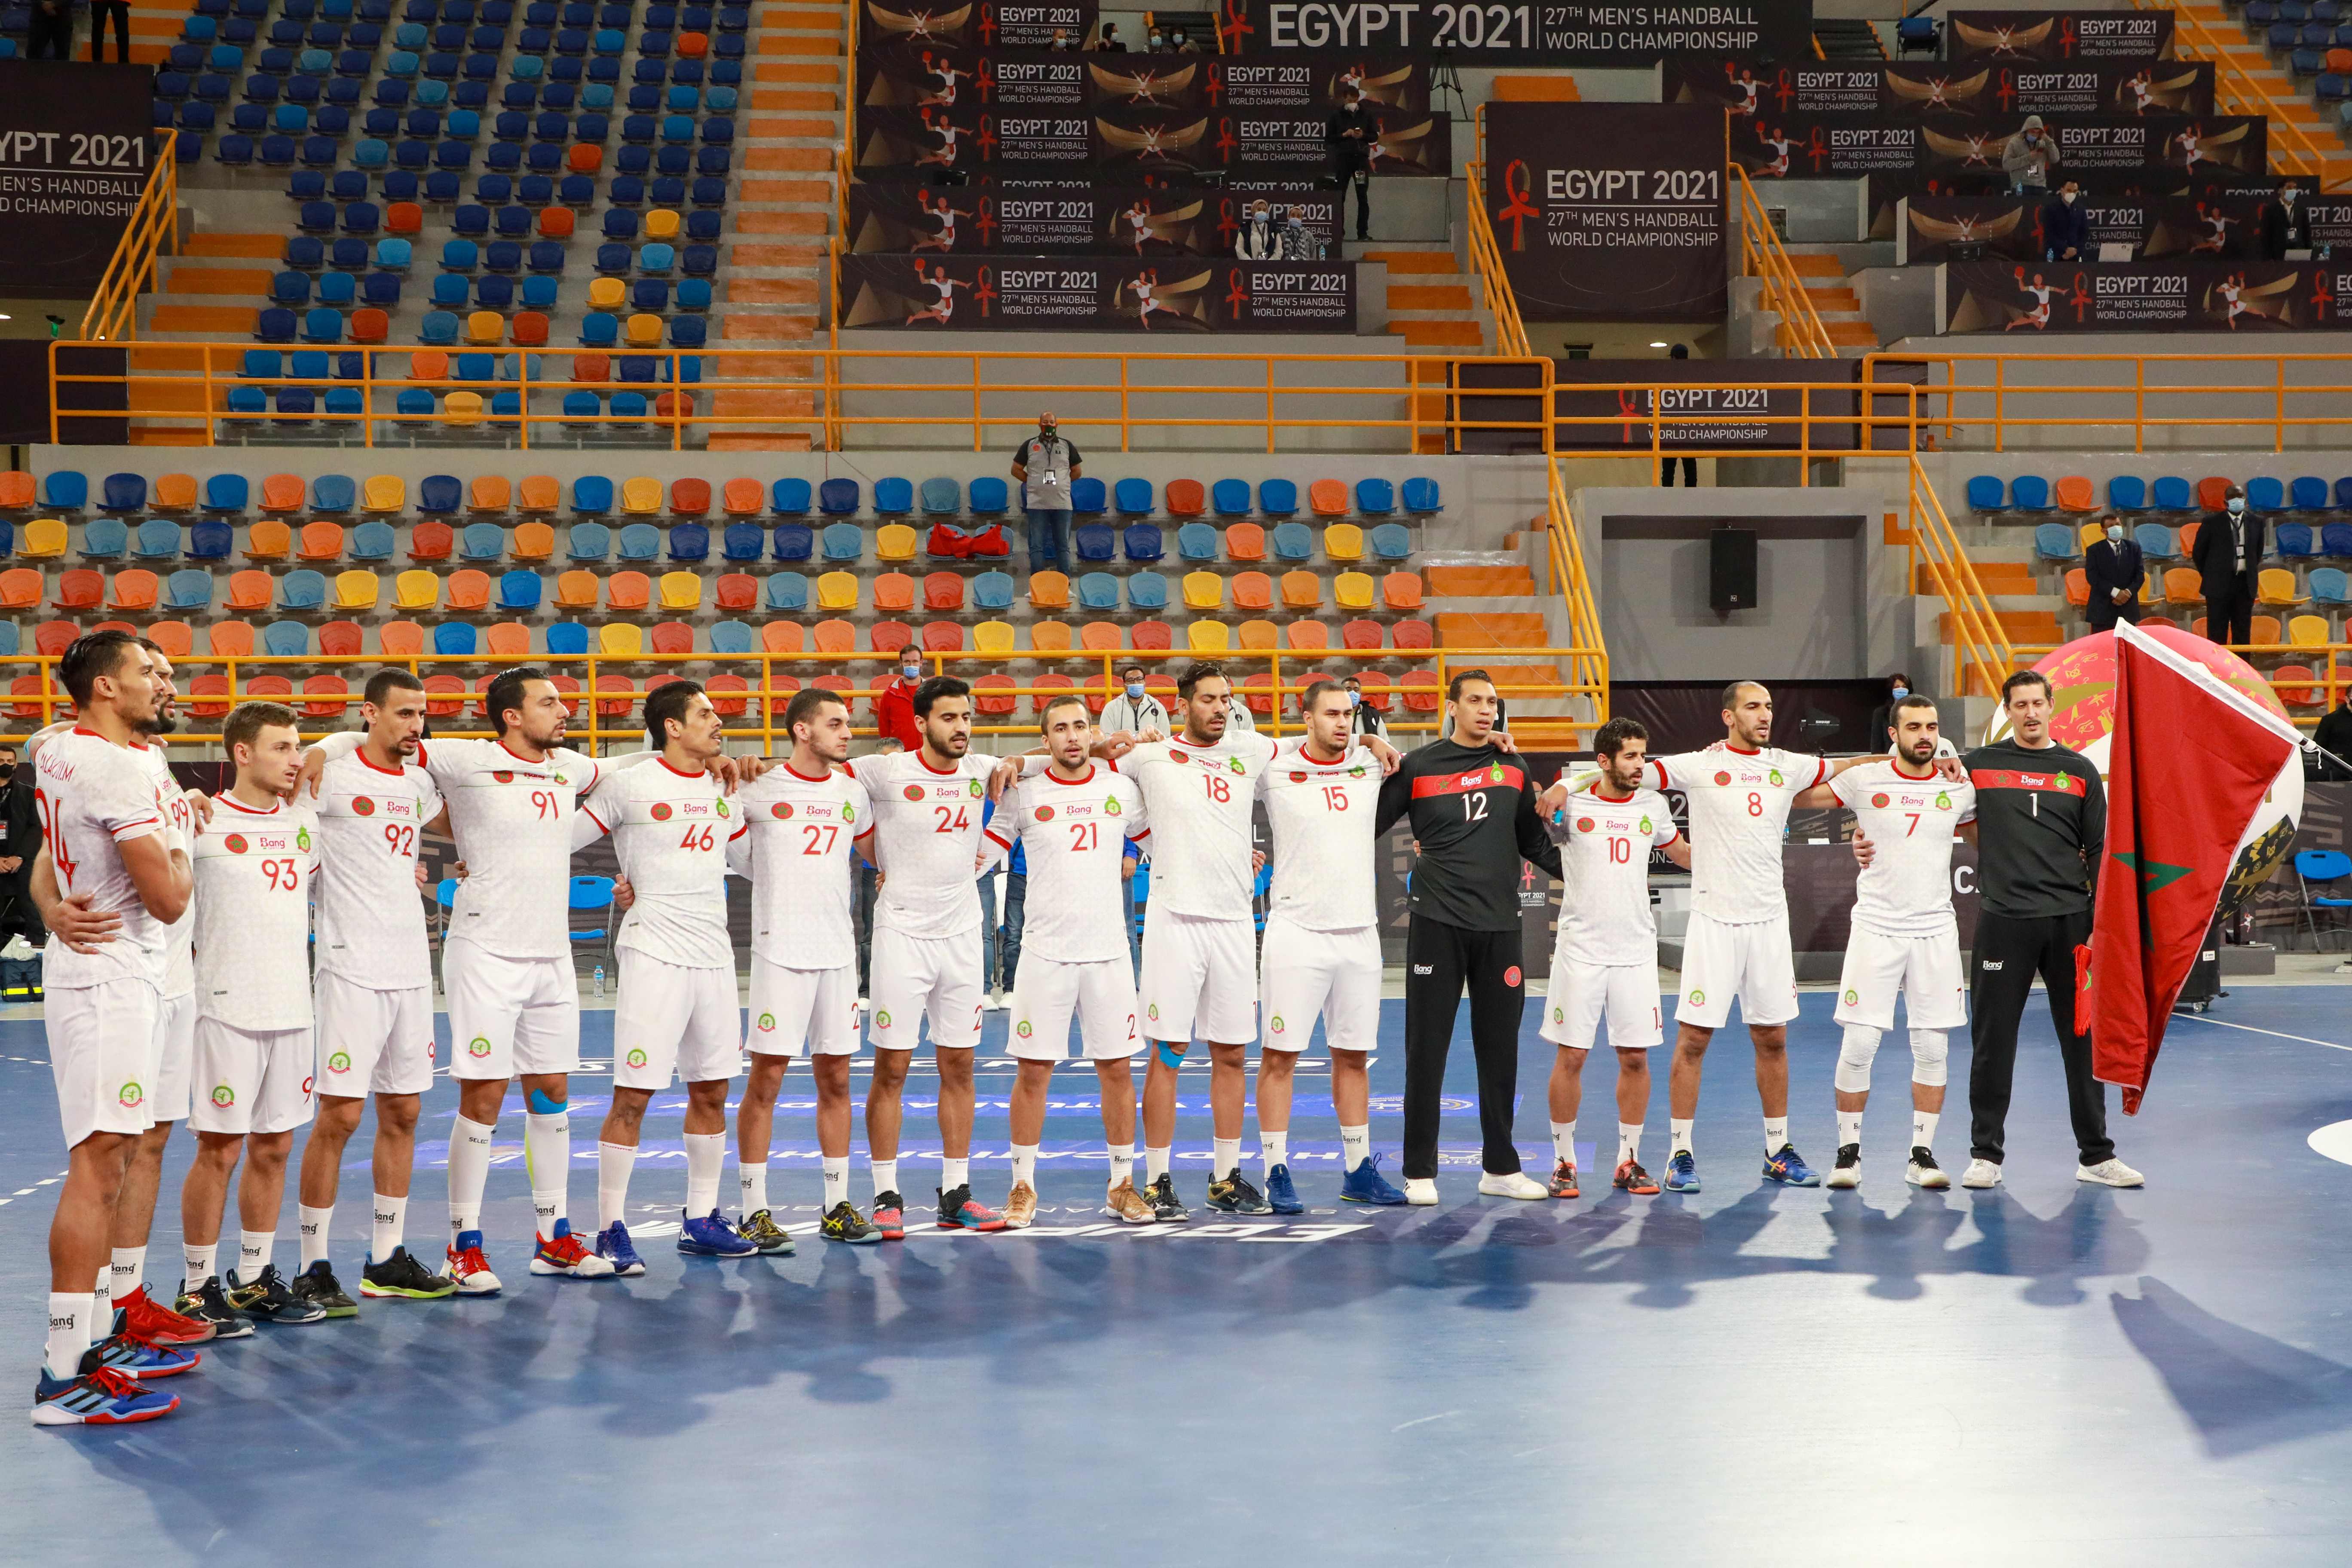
point(600, 980)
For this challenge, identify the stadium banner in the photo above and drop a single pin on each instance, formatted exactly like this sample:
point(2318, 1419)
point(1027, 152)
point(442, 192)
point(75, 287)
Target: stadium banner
point(1738, 413)
point(74, 154)
point(2146, 297)
point(1980, 90)
point(1096, 294)
point(1609, 212)
point(986, 24)
point(1308, 82)
point(2058, 36)
point(2104, 143)
point(1821, 146)
point(1133, 145)
point(2227, 225)
point(2011, 226)
point(1531, 34)
point(1077, 218)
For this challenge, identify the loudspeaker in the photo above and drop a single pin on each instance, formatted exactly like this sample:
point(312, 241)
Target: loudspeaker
point(1731, 570)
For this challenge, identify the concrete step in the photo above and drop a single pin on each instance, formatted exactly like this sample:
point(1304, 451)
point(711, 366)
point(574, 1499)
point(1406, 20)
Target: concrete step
point(243, 282)
point(2022, 625)
point(1458, 582)
point(1440, 261)
point(1810, 265)
point(1470, 628)
point(1437, 334)
point(1452, 297)
point(1845, 334)
point(263, 246)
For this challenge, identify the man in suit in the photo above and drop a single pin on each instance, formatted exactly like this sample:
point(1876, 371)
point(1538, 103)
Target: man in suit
point(2227, 555)
point(2113, 565)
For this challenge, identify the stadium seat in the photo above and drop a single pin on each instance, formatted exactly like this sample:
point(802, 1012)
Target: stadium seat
point(2275, 587)
point(1251, 590)
point(1093, 541)
point(1375, 497)
point(2211, 492)
point(1401, 591)
point(1422, 496)
point(519, 592)
point(190, 589)
point(45, 539)
point(1391, 540)
point(680, 591)
point(2182, 585)
point(104, 539)
point(2055, 541)
point(157, 539)
point(2028, 492)
point(794, 542)
point(2265, 494)
point(1049, 590)
point(1244, 541)
point(356, 589)
point(1208, 637)
point(1301, 591)
point(895, 541)
point(690, 542)
point(576, 590)
point(1349, 590)
point(788, 591)
point(1293, 541)
point(134, 588)
point(416, 590)
point(2154, 541)
point(1048, 637)
point(1987, 493)
point(1132, 496)
point(1098, 590)
point(2171, 493)
point(1277, 497)
point(1203, 591)
point(2075, 492)
point(2128, 492)
point(2291, 539)
point(1305, 635)
point(1088, 497)
point(1343, 542)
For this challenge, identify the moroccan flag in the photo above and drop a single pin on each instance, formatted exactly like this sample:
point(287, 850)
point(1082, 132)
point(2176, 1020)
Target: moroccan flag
point(2188, 765)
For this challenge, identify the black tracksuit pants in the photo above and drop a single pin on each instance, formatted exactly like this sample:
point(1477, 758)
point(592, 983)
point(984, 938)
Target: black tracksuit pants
point(2009, 954)
point(1439, 960)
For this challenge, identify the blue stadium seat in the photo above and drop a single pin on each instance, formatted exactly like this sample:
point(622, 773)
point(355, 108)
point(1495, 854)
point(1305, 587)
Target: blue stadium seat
point(285, 639)
point(793, 541)
point(1390, 541)
point(589, 542)
point(65, 489)
point(2264, 493)
point(993, 591)
point(591, 495)
point(1987, 493)
point(787, 591)
point(2335, 541)
point(1198, 541)
point(1089, 496)
point(732, 638)
point(122, 492)
point(1292, 542)
point(333, 493)
point(189, 590)
point(892, 496)
point(789, 498)
point(1132, 496)
point(1422, 496)
point(453, 639)
point(690, 542)
point(567, 639)
point(481, 542)
point(940, 497)
point(158, 540)
point(2054, 542)
point(2308, 493)
point(641, 541)
point(744, 541)
point(1098, 590)
point(2128, 492)
point(838, 497)
point(842, 541)
point(988, 496)
point(226, 493)
point(2028, 492)
point(105, 539)
point(2343, 486)
point(2154, 541)
point(2330, 586)
point(1147, 591)
point(2291, 540)
point(373, 540)
point(1094, 542)
point(2171, 493)
point(518, 590)
point(1375, 497)
point(440, 495)
point(1277, 497)
point(1143, 541)
point(302, 590)
point(1228, 498)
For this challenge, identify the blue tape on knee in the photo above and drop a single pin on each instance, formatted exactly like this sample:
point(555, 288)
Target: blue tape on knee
point(541, 1105)
point(1169, 1057)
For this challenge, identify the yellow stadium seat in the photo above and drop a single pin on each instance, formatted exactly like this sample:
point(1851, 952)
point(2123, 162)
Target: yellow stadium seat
point(661, 224)
point(45, 536)
point(895, 541)
point(175, 492)
point(417, 590)
point(2089, 533)
point(645, 332)
point(1349, 590)
point(1203, 591)
point(2308, 631)
point(836, 591)
point(1208, 637)
point(486, 329)
point(641, 496)
point(681, 591)
point(619, 639)
point(356, 589)
point(385, 492)
point(607, 293)
point(1301, 591)
point(489, 493)
point(2275, 585)
point(1343, 542)
point(993, 637)
point(462, 408)
point(576, 590)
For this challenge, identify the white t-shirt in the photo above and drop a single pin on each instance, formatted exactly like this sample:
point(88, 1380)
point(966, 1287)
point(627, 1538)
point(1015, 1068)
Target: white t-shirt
point(1738, 815)
point(797, 853)
point(371, 928)
point(1321, 815)
point(1201, 799)
point(1605, 918)
point(93, 794)
point(671, 831)
point(927, 825)
point(253, 914)
point(1073, 833)
point(180, 826)
point(1907, 888)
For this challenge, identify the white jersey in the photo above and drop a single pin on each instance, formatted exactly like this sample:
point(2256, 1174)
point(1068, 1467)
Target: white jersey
point(926, 826)
point(1073, 833)
point(371, 917)
point(1739, 813)
point(1605, 844)
point(513, 820)
point(797, 855)
point(93, 794)
point(180, 826)
point(1321, 814)
point(253, 915)
point(1907, 888)
point(671, 831)
point(1201, 799)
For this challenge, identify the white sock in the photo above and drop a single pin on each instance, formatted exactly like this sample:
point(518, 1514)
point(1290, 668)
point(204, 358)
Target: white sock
point(886, 1177)
point(954, 1173)
point(751, 1186)
point(1679, 1134)
point(102, 1303)
point(1355, 1145)
point(1122, 1162)
point(613, 1163)
point(1228, 1158)
point(314, 1224)
point(71, 1313)
point(469, 1172)
point(1849, 1127)
point(1776, 1134)
point(1629, 1142)
point(1923, 1135)
point(1563, 1142)
point(706, 1156)
point(196, 1264)
point(389, 1227)
point(1274, 1147)
point(1155, 1162)
point(253, 1254)
point(836, 1181)
point(547, 1156)
point(1025, 1165)
point(129, 1270)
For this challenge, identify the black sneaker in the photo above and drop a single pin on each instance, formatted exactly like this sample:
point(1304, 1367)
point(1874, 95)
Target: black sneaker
point(269, 1299)
point(318, 1284)
point(1235, 1196)
point(402, 1275)
point(844, 1223)
point(1847, 1172)
point(208, 1303)
point(1162, 1195)
point(761, 1229)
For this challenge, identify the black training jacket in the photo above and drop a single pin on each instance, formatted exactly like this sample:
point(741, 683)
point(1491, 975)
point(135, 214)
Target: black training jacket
point(1473, 815)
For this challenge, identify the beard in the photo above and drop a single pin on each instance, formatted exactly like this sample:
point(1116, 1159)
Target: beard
point(162, 721)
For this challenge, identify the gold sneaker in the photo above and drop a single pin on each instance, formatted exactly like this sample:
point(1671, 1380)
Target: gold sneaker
point(1020, 1206)
point(1124, 1203)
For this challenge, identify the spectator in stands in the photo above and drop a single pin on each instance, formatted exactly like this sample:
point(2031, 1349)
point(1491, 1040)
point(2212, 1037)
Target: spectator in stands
point(1178, 44)
point(1060, 42)
point(2115, 573)
point(1690, 465)
point(2227, 555)
point(1365, 719)
point(1298, 241)
point(2028, 157)
point(1107, 41)
point(2333, 737)
point(1349, 135)
point(1158, 43)
point(51, 32)
point(1046, 466)
point(2066, 225)
point(1259, 239)
point(1134, 709)
point(1881, 718)
point(20, 840)
point(99, 10)
point(894, 711)
point(2286, 225)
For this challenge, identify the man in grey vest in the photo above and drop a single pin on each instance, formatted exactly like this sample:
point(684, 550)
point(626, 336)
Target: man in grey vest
point(1046, 467)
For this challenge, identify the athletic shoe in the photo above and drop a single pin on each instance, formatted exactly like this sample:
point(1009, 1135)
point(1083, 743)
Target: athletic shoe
point(269, 1299)
point(1020, 1206)
point(844, 1223)
point(1981, 1174)
point(149, 1319)
point(144, 1359)
point(1162, 1195)
point(712, 1237)
point(958, 1210)
point(1124, 1203)
point(469, 1268)
point(1281, 1196)
point(1682, 1171)
point(1365, 1184)
point(402, 1275)
point(1788, 1168)
point(619, 1253)
point(1848, 1171)
point(95, 1397)
point(890, 1216)
point(761, 1229)
point(208, 1303)
point(1923, 1170)
point(1563, 1180)
point(1420, 1191)
point(1235, 1196)
point(318, 1283)
point(2110, 1173)
point(1515, 1184)
point(564, 1253)
point(1632, 1178)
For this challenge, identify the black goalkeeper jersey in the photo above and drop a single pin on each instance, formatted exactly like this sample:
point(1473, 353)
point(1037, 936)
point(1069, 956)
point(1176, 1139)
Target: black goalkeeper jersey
point(1473, 812)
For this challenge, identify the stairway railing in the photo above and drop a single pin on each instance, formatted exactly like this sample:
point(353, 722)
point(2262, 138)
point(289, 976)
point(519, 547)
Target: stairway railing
point(1980, 644)
point(2292, 150)
point(1486, 260)
point(153, 224)
point(1588, 656)
point(1762, 255)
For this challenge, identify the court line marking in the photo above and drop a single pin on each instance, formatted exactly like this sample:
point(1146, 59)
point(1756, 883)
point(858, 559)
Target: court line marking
point(2249, 1029)
point(1423, 1420)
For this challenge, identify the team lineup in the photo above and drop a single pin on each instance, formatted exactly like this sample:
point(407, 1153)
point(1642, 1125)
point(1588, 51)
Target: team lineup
point(181, 985)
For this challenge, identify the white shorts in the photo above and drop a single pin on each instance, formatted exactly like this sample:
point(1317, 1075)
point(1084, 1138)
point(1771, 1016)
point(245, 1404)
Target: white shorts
point(374, 1042)
point(797, 1011)
point(1046, 992)
point(673, 1020)
point(1750, 962)
point(251, 1081)
point(917, 976)
point(1581, 993)
point(103, 1055)
point(1199, 977)
point(510, 1015)
point(1335, 973)
point(1926, 968)
point(175, 1046)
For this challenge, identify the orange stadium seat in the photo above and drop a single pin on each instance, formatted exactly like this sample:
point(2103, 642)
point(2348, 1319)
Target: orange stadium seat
point(893, 591)
point(576, 590)
point(2182, 585)
point(2185, 540)
point(673, 636)
point(1186, 498)
point(1102, 637)
point(2211, 492)
point(628, 590)
point(737, 591)
point(1376, 689)
point(268, 540)
point(341, 639)
point(2078, 587)
point(175, 492)
point(1257, 690)
point(1421, 690)
point(1151, 636)
point(1412, 635)
point(1049, 590)
point(80, 589)
point(1301, 591)
point(200, 689)
point(1401, 590)
point(445, 696)
point(540, 492)
point(888, 637)
point(468, 590)
point(782, 690)
point(689, 497)
point(18, 492)
point(134, 588)
point(615, 695)
point(533, 542)
point(942, 636)
point(321, 541)
point(568, 686)
point(783, 636)
point(744, 498)
point(1244, 541)
point(841, 684)
point(1305, 635)
point(728, 707)
point(1049, 636)
point(176, 638)
point(431, 541)
point(1162, 687)
point(1257, 636)
point(229, 640)
point(1253, 591)
point(51, 638)
point(20, 588)
point(835, 636)
point(991, 696)
point(489, 493)
point(1327, 498)
point(400, 639)
point(1051, 685)
point(283, 492)
point(250, 590)
point(943, 592)
point(326, 693)
point(508, 639)
point(2074, 493)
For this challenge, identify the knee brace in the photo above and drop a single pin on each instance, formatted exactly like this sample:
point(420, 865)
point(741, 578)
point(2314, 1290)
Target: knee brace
point(1930, 1048)
point(1172, 1056)
point(1854, 1056)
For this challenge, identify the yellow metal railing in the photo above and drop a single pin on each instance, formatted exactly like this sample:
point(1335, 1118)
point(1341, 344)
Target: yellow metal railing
point(1486, 260)
point(2237, 91)
point(1564, 562)
point(1982, 652)
point(153, 224)
point(1762, 255)
point(2112, 400)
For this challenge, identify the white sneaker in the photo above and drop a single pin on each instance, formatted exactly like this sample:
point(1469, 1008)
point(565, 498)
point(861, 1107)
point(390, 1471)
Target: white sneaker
point(1981, 1173)
point(1420, 1191)
point(1847, 1171)
point(996, 1002)
point(1923, 1170)
point(1518, 1185)
point(2110, 1173)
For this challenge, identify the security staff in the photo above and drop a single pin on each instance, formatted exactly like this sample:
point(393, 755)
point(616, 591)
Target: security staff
point(2228, 556)
point(2113, 568)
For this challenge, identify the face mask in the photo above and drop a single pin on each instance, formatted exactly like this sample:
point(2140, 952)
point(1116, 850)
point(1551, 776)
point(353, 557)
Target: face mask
point(1157, 41)
point(2068, 197)
point(2288, 197)
point(2237, 505)
point(1355, 699)
point(1897, 693)
point(1135, 691)
point(2116, 532)
point(911, 672)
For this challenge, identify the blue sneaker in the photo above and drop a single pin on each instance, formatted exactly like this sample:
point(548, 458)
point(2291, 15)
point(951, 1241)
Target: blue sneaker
point(1682, 1172)
point(96, 1395)
point(1365, 1184)
point(1280, 1196)
point(143, 1359)
point(613, 1246)
point(1788, 1168)
point(710, 1238)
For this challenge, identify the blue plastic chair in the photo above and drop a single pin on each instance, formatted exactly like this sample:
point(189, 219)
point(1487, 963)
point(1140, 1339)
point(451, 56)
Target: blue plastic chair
point(567, 639)
point(2308, 493)
point(993, 591)
point(481, 542)
point(1227, 497)
point(793, 541)
point(588, 542)
point(190, 589)
point(2264, 493)
point(373, 540)
point(844, 541)
point(892, 496)
point(2291, 539)
point(1292, 542)
point(1375, 497)
point(1132, 496)
point(2128, 492)
point(334, 493)
point(2154, 541)
point(641, 541)
point(225, 492)
point(2028, 492)
point(1277, 497)
point(837, 497)
point(65, 489)
point(518, 590)
point(789, 498)
point(1198, 541)
point(591, 495)
point(2171, 493)
point(1089, 496)
point(122, 492)
point(302, 590)
point(1147, 591)
point(285, 639)
point(690, 542)
point(1094, 542)
point(1143, 541)
point(2343, 486)
point(987, 496)
point(158, 539)
point(940, 497)
point(787, 591)
point(1987, 493)
point(732, 636)
point(1389, 541)
point(1422, 496)
point(210, 539)
point(744, 541)
point(453, 638)
point(2335, 540)
point(2054, 542)
point(2326, 867)
point(2329, 585)
point(105, 539)
point(1098, 590)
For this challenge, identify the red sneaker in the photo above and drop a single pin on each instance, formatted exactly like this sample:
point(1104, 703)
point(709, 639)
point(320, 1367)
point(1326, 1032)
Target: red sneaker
point(563, 1253)
point(1632, 1178)
point(1563, 1180)
point(958, 1210)
point(890, 1216)
point(146, 1318)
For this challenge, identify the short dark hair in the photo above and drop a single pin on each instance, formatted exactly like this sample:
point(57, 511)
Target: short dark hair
point(1316, 689)
point(667, 701)
point(1610, 738)
point(1199, 670)
point(2023, 677)
point(1454, 687)
point(806, 703)
point(1916, 699)
point(245, 725)
point(1045, 714)
point(929, 693)
point(506, 692)
point(384, 682)
point(89, 656)
point(1731, 692)
point(1130, 668)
